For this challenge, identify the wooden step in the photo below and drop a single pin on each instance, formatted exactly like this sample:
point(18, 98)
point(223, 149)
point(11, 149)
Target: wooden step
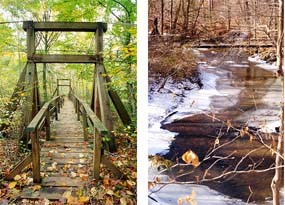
point(50, 193)
point(62, 182)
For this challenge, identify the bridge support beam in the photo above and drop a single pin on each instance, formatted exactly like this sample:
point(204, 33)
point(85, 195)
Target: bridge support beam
point(100, 102)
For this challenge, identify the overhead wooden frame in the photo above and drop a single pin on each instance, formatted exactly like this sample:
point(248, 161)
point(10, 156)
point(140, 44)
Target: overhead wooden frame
point(65, 26)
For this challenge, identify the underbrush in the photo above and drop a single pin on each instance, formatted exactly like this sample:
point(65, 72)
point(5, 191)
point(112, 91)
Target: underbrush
point(169, 59)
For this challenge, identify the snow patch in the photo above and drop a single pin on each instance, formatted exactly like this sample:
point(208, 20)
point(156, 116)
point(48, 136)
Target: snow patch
point(261, 63)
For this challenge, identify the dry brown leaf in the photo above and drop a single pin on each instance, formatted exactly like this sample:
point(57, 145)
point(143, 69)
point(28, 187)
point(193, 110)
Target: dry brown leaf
point(229, 125)
point(190, 157)
point(109, 201)
point(106, 181)
point(243, 131)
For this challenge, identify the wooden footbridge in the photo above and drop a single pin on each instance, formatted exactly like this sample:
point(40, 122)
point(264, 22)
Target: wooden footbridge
point(58, 129)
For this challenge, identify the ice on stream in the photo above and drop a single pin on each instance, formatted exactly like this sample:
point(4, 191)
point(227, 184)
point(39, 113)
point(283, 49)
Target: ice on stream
point(174, 102)
point(263, 64)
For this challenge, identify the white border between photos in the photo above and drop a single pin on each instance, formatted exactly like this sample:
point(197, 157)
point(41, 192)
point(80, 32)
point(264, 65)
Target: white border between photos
point(142, 99)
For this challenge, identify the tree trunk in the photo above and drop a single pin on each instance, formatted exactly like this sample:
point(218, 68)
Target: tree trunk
point(162, 16)
point(277, 179)
point(177, 15)
point(171, 15)
point(280, 39)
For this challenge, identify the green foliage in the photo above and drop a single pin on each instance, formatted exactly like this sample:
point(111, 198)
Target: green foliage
point(119, 46)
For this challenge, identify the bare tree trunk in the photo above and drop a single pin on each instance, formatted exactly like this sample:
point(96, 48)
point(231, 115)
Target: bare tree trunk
point(177, 15)
point(162, 16)
point(229, 14)
point(280, 38)
point(186, 16)
point(277, 179)
point(171, 15)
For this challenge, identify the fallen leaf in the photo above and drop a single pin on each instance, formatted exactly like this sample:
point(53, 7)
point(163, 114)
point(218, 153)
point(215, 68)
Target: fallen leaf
point(12, 185)
point(72, 174)
point(36, 188)
point(110, 192)
point(106, 181)
point(84, 199)
point(129, 193)
point(108, 201)
point(123, 201)
point(93, 191)
point(66, 194)
point(17, 177)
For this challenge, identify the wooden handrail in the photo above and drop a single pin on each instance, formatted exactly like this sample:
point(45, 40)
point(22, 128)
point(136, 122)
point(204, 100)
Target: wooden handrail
point(99, 130)
point(42, 116)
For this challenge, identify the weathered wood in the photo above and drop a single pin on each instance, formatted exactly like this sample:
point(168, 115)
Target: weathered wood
point(232, 46)
point(48, 124)
point(84, 123)
point(97, 155)
point(106, 115)
point(40, 115)
point(121, 110)
point(30, 107)
point(50, 193)
point(65, 26)
point(117, 173)
point(36, 157)
point(93, 117)
point(62, 182)
point(19, 167)
point(60, 58)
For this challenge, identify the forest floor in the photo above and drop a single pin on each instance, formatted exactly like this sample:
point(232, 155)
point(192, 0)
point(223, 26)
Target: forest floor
point(108, 190)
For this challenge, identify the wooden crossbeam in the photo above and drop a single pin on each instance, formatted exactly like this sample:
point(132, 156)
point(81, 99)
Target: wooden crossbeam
point(65, 26)
point(42, 58)
point(19, 167)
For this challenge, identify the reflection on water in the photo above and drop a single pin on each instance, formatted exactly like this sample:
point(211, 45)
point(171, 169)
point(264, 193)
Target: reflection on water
point(258, 102)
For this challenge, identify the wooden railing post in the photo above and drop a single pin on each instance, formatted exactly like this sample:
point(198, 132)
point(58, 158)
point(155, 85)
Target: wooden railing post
point(96, 155)
point(78, 110)
point(84, 123)
point(56, 111)
point(36, 156)
point(58, 104)
point(48, 125)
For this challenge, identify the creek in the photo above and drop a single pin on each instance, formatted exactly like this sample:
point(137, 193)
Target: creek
point(236, 90)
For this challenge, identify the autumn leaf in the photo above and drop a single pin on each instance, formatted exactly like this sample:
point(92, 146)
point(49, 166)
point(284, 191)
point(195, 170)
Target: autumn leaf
point(17, 177)
point(229, 125)
point(123, 201)
point(36, 188)
point(110, 192)
point(190, 157)
point(84, 199)
point(106, 181)
point(109, 201)
point(179, 201)
point(243, 131)
point(12, 185)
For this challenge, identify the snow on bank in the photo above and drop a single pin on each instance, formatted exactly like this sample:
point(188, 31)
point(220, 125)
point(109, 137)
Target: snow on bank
point(173, 102)
point(261, 63)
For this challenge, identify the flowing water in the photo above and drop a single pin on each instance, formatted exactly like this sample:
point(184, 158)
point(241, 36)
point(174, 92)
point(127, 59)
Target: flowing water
point(248, 95)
